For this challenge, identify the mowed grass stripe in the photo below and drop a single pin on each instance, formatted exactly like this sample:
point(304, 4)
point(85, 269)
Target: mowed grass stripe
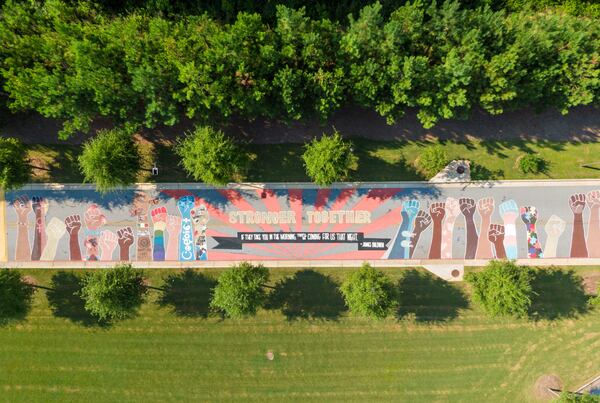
point(161, 357)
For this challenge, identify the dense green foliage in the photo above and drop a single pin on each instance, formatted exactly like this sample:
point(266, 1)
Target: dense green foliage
point(369, 292)
point(432, 160)
point(531, 163)
point(240, 290)
point(110, 159)
point(115, 293)
point(503, 288)
point(568, 397)
point(15, 295)
point(14, 166)
point(210, 156)
point(328, 159)
point(76, 62)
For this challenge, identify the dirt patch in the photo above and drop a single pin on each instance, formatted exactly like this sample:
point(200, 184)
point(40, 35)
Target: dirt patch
point(544, 383)
point(590, 283)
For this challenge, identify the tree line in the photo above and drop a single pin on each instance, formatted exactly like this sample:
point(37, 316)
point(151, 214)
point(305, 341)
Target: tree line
point(74, 61)
point(501, 289)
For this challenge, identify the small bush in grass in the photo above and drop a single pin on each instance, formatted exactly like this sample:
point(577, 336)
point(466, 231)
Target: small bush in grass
point(209, 156)
point(432, 160)
point(115, 293)
point(503, 288)
point(111, 159)
point(329, 159)
point(240, 290)
point(532, 164)
point(369, 292)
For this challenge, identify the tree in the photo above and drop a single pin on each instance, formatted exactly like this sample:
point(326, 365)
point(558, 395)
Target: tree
point(15, 294)
point(503, 288)
point(211, 157)
point(115, 293)
point(14, 166)
point(329, 159)
point(110, 159)
point(369, 292)
point(240, 291)
point(432, 160)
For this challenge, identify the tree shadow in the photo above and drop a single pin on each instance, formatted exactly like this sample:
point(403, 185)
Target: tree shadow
point(557, 294)
point(188, 293)
point(428, 298)
point(307, 295)
point(65, 302)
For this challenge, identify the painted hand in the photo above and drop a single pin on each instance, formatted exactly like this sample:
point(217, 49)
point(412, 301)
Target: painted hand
point(73, 224)
point(467, 207)
point(411, 208)
point(555, 226)
point(185, 205)
point(529, 215)
point(125, 237)
point(496, 233)
point(22, 207)
point(485, 207)
point(593, 199)
point(55, 229)
point(452, 208)
point(422, 221)
point(94, 218)
point(159, 218)
point(173, 225)
point(108, 244)
point(40, 206)
point(437, 212)
point(509, 211)
point(577, 203)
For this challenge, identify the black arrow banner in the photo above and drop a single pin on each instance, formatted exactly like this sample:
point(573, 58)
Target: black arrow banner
point(236, 243)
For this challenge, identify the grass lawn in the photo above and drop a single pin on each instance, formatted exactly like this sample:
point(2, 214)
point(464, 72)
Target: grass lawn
point(378, 161)
point(439, 350)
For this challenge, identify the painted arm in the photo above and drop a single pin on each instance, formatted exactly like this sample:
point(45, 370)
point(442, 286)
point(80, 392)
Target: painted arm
point(40, 208)
point(509, 212)
point(485, 208)
point(534, 247)
point(22, 207)
point(467, 207)
point(554, 228)
point(173, 228)
point(125, 238)
point(437, 212)
point(496, 237)
point(593, 233)
point(422, 221)
point(73, 225)
point(578, 245)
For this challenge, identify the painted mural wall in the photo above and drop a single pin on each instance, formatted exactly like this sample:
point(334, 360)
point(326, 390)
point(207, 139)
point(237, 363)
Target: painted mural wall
point(367, 222)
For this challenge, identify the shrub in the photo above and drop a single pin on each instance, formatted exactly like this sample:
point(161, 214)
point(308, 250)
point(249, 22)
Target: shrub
point(369, 292)
point(209, 156)
point(14, 167)
point(240, 290)
point(503, 288)
point(110, 159)
point(15, 294)
point(328, 159)
point(115, 293)
point(531, 164)
point(432, 160)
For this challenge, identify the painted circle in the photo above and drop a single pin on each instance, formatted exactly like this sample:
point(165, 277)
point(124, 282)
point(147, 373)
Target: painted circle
point(144, 242)
point(455, 273)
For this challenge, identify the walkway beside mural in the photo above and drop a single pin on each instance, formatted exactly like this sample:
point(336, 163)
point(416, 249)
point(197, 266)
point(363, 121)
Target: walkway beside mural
point(403, 222)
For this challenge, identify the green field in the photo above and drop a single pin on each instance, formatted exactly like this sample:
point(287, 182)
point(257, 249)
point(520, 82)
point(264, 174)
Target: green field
point(378, 161)
point(438, 349)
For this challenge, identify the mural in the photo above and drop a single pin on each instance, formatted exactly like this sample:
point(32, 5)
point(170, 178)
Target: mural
point(368, 222)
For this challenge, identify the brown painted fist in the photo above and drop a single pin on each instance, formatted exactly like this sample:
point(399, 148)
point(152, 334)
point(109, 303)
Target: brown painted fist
point(496, 233)
point(437, 211)
point(467, 207)
point(577, 203)
point(73, 223)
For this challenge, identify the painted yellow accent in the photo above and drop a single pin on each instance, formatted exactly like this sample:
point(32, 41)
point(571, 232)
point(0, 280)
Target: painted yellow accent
point(3, 231)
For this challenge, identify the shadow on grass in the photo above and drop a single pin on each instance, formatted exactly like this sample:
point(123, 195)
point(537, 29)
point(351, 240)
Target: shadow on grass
point(65, 303)
point(429, 298)
point(307, 295)
point(188, 293)
point(557, 294)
